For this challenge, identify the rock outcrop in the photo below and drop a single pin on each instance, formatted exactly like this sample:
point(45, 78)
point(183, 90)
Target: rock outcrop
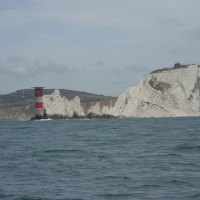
point(100, 111)
point(60, 107)
point(163, 93)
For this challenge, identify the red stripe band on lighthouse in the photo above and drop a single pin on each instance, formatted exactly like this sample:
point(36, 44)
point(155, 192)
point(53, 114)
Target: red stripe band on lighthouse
point(38, 104)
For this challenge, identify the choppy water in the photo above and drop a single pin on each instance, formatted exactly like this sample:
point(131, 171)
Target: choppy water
point(122, 159)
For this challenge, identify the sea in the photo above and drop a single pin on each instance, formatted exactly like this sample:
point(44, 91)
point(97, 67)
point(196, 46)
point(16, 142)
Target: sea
point(100, 159)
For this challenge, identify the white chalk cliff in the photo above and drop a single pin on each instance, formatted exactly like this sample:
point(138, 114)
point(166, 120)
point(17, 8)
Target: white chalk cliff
point(163, 93)
point(167, 92)
point(60, 106)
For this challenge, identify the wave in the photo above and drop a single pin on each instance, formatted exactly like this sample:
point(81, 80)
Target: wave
point(186, 147)
point(117, 195)
point(41, 198)
point(30, 198)
point(63, 151)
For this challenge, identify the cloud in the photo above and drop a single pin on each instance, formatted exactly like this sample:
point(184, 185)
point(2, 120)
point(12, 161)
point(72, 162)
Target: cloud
point(99, 63)
point(167, 22)
point(15, 19)
point(15, 66)
point(194, 33)
point(45, 66)
point(135, 68)
point(20, 67)
point(130, 69)
point(107, 14)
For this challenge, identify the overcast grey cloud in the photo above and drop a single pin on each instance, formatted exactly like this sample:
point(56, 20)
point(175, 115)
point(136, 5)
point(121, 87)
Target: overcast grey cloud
point(20, 67)
point(96, 46)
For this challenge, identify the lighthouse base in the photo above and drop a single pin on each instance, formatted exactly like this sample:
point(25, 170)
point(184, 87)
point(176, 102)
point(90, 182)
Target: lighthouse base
point(38, 117)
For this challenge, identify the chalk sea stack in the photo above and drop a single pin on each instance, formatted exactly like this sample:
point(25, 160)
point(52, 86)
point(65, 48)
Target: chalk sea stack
point(60, 107)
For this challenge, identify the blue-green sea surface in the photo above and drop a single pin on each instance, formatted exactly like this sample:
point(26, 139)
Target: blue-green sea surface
point(104, 159)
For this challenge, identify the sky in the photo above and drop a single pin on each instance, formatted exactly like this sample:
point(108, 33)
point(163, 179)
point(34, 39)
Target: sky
point(97, 46)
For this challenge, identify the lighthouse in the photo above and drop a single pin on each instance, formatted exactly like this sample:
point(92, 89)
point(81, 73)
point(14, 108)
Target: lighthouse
point(39, 105)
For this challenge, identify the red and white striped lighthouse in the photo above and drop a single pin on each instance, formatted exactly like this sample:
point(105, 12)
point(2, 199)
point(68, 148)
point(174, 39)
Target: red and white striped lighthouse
point(39, 105)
